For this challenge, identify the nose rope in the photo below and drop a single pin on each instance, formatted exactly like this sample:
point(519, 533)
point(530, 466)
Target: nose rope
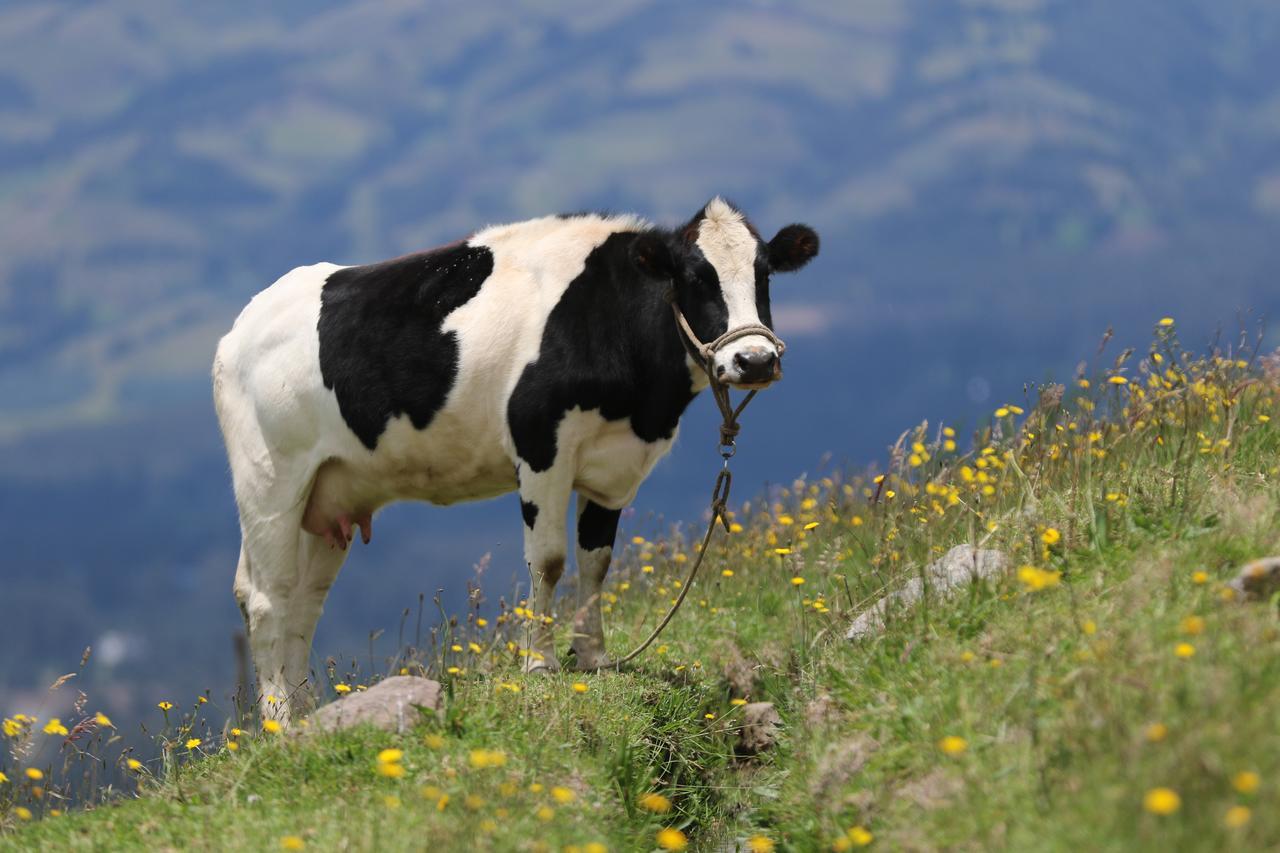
point(704, 355)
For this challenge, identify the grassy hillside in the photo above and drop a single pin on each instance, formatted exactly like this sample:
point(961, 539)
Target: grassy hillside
point(1109, 693)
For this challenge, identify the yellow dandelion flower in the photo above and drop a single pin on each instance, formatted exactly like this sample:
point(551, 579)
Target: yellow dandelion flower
point(134, 764)
point(727, 573)
point(654, 802)
point(671, 838)
point(1037, 579)
point(782, 552)
point(953, 745)
point(292, 842)
point(1162, 801)
point(391, 801)
point(232, 745)
point(760, 844)
point(580, 687)
point(1165, 321)
point(1200, 577)
point(55, 727)
point(545, 813)
point(164, 706)
point(737, 702)
point(341, 689)
point(595, 847)
point(271, 727)
point(1193, 625)
point(1089, 627)
point(797, 581)
point(433, 741)
point(3, 778)
point(1051, 536)
point(391, 770)
point(1157, 732)
point(34, 774)
point(563, 795)
point(390, 756)
point(442, 803)
point(22, 812)
point(193, 743)
point(1236, 817)
point(1246, 781)
point(1118, 380)
point(813, 525)
point(1184, 650)
point(103, 720)
point(859, 836)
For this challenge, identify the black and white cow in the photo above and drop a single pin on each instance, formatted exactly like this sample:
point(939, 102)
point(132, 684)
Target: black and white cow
point(541, 357)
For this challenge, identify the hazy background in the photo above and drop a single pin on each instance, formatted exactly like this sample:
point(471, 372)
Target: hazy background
point(995, 183)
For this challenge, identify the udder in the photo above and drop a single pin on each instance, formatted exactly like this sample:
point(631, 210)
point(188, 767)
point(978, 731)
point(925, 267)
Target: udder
point(336, 507)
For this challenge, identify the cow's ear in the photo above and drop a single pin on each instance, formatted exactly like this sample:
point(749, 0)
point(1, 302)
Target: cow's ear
point(653, 256)
point(793, 247)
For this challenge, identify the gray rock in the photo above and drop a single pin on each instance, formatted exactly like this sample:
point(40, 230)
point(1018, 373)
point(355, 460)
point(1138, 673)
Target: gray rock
point(1258, 580)
point(960, 566)
point(760, 726)
point(391, 704)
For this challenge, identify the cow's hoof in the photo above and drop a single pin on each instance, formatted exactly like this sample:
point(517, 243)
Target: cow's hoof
point(546, 666)
point(588, 660)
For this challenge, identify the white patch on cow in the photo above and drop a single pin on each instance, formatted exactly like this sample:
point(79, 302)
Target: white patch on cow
point(730, 247)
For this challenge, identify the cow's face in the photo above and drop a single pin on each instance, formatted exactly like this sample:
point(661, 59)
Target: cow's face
point(720, 269)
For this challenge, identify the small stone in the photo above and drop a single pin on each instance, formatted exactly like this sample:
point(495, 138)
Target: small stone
point(1258, 580)
point(962, 565)
point(391, 704)
point(760, 726)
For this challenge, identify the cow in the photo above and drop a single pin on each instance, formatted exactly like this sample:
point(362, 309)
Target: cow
point(540, 357)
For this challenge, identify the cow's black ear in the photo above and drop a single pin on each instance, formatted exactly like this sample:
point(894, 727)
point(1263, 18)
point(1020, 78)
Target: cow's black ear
point(653, 256)
point(793, 247)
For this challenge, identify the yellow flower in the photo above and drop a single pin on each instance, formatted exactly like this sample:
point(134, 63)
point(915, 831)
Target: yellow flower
point(292, 842)
point(271, 727)
point(55, 727)
point(1166, 321)
point(797, 581)
point(728, 573)
point(563, 795)
point(390, 769)
point(1038, 579)
point(580, 687)
point(1089, 627)
point(103, 720)
point(595, 847)
point(390, 756)
point(485, 758)
point(782, 552)
point(22, 812)
point(1200, 577)
point(1237, 816)
point(1193, 625)
point(1246, 781)
point(1118, 380)
point(810, 526)
point(953, 745)
point(1002, 412)
point(433, 741)
point(193, 743)
point(232, 745)
point(654, 802)
point(1051, 536)
point(134, 764)
point(341, 688)
point(545, 813)
point(391, 801)
point(1184, 650)
point(3, 778)
point(760, 844)
point(737, 702)
point(34, 774)
point(164, 706)
point(1162, 801)
point(859, 836)
point(1157, 732)
point(672, 839)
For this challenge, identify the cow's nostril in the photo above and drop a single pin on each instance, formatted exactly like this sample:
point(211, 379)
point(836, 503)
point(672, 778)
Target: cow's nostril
point(755, 364)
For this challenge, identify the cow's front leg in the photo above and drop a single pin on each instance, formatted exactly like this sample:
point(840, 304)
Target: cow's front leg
point(544, 502)
point(597, 528)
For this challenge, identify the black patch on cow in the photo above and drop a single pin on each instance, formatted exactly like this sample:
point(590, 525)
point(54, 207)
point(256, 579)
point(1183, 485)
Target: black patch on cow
point(597, 526)
point(610, 345)
point(529, 510)
point(382, 351)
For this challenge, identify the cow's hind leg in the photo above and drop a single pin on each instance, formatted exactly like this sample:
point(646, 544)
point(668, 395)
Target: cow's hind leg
point(318, 567)
point(597, 528)
point(544, 502)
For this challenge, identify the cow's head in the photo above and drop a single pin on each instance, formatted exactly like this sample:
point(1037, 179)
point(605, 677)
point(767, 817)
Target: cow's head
point(720, 269)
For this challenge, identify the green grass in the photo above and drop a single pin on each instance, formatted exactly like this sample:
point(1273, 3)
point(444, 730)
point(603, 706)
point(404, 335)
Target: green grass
point(1072, 701)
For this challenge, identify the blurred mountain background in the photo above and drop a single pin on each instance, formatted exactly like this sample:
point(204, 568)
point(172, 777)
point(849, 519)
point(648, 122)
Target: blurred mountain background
point(995, 181)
